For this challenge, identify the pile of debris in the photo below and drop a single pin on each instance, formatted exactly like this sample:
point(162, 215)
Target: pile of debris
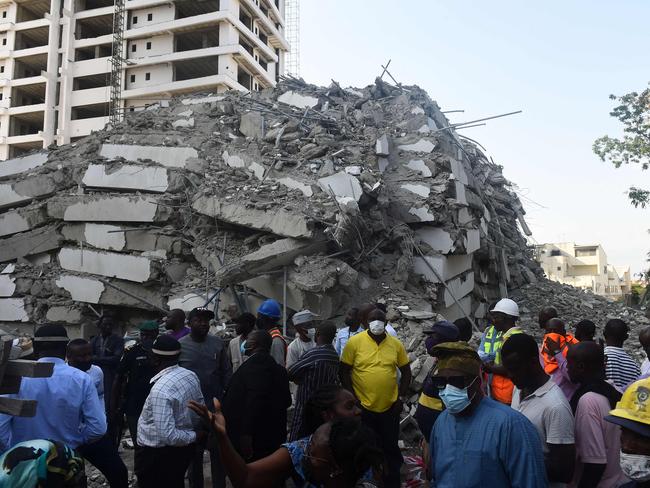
point(320, 198)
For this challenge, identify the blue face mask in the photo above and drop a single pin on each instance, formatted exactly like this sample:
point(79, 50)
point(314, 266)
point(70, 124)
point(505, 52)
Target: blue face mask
point(456, 399)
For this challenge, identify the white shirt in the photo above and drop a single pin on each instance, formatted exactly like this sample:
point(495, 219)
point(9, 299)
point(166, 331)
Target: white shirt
point(645, 367)
point(297, 348)
point(549, 411)
point(165, 419)
point(97, 375)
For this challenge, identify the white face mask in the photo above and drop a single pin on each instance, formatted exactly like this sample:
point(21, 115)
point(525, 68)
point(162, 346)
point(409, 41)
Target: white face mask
point(311, 333)
point(635, 466)
point(377, 327)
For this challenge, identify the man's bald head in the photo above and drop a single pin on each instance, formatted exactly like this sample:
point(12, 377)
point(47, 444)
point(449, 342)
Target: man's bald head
point(585, 362)
point(545, 315)
point(556, 326)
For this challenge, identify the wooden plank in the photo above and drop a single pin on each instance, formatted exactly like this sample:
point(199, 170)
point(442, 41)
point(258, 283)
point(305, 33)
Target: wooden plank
point(29, 369)
point(10, 384)
point(18, 408)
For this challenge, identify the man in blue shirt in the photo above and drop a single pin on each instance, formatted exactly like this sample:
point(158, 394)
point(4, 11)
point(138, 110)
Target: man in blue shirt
point(477, 441)
point(68, 409)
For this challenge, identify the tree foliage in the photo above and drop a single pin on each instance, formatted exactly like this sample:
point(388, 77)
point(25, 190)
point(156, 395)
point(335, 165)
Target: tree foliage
point(633, 112)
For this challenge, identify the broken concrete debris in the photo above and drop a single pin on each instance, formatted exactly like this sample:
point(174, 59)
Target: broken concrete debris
point(351, 194)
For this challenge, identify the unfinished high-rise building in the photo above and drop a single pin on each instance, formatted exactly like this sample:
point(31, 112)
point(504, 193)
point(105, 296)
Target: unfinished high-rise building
point(55, 60)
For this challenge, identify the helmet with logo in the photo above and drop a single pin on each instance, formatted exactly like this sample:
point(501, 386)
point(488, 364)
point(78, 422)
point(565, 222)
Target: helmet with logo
point(633, 411)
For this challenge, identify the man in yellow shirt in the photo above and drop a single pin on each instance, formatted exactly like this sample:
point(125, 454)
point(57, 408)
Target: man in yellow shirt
point(369, 369)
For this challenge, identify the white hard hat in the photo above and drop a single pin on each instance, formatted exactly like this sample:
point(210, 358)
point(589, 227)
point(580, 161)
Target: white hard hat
point(507, 306)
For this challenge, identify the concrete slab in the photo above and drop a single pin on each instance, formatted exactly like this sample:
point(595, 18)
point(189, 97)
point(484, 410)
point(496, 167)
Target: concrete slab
point(419, 166)
point(460, 287)
point(382, 147)
point(7, 285)
point(268, 257)
point(127, 177)
point(169, 156)
point(296, 185)
point(458, 171)
point(454, 312)
point(13, 310)
point(461, 197)
point(472, 240)
point(418, 189)
point(234, 161)
point(187, 301)
point(422, 213)
point(436, 238)
point(101, 236)
point(109, 208)
point(183, 123)
point(278, 221)
point(123, 266)
point(422, 145)
point(21, 219)
point(342, 185)
point(199, 100)
point(23, 191)
point(20, 165)
point(90, 290)
point(63, 314)
point(298, 100)
point(39, 259)
point(252, 125)
point(29, 243)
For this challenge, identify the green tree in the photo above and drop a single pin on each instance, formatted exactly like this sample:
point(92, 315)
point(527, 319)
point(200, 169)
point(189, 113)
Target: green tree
point(633, 112)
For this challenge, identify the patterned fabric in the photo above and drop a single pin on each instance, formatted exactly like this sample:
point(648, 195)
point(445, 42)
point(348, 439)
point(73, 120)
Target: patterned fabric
point(166, 419)
point(317, 367)
point(41, 463)
point(620, 368)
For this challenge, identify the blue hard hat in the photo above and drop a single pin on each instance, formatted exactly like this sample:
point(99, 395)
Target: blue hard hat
point(270, 308)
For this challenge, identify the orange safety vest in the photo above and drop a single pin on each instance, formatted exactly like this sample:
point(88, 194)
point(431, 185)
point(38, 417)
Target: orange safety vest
point(275, 332)
point(501, 387)
point(566, 341)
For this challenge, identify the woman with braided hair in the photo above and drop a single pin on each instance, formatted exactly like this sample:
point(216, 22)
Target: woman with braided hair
point(339, 454)
point(328, 403)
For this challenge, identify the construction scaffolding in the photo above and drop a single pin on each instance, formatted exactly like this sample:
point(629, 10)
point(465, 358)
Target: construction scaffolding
point(116, 63)
point(292, 32)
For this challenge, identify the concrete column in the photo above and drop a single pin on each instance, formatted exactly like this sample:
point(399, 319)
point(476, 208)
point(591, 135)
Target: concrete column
point(67, 68)
point(228, 36)
point(52, 73)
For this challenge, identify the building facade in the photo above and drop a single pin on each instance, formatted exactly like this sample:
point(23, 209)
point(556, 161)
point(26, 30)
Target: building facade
point(55, 60)
point(584, 267)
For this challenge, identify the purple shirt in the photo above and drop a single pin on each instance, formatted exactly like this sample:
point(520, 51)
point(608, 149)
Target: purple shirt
point(561, 377)
point(180, 334)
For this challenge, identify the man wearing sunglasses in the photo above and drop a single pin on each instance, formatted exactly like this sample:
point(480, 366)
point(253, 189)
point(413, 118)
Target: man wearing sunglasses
point(477, 441)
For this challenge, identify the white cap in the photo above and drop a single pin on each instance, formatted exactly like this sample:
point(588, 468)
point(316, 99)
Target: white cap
point(303, 317)
point(507, 306)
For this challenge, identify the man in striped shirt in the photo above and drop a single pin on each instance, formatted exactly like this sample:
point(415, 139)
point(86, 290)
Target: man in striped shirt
point(317, 367)
point(620, 368)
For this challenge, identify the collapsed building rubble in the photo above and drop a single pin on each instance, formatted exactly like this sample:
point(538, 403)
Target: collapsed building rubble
point(321, 198)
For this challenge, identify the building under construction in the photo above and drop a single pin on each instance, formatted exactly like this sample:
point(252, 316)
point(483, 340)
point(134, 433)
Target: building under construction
point(67, 65)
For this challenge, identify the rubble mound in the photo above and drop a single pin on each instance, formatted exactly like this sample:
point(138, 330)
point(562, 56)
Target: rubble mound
point(320, 198)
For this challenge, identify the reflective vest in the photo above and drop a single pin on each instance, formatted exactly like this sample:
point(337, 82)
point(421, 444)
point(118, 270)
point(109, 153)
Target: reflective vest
point(493, 340)
point(501, 387)
point(275, 333)
point(567, 340)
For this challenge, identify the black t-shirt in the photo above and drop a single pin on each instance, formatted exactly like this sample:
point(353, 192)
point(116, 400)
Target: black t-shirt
point(136, 366)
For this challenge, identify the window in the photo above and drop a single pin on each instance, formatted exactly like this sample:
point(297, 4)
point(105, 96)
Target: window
point(4, 41)
point(2, 69)
point(135, 20)
point(0, 96)
point(555, 252)
point(4, 14)
point(147, 76)
point(149, 17)
point(148, 45)
point(132, 78)
point(133, 47)
point(559, 268)
point(132, 109)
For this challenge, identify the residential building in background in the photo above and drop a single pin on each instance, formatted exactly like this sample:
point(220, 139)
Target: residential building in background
point(55, 60)
point(584, 267)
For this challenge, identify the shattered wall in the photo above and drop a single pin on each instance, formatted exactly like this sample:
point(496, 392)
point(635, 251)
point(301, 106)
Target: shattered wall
point(352, 194)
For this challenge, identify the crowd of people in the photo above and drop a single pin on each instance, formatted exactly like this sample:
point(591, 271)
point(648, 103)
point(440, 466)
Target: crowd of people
point(325, 409)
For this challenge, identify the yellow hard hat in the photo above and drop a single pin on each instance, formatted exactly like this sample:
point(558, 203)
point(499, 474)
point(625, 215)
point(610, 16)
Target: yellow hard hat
point(633, 411)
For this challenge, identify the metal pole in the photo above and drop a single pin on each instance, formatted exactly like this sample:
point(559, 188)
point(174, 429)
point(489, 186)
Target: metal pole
point(284, 303)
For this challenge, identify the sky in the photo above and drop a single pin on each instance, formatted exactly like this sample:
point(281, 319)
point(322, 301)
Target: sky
point(558, 61)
